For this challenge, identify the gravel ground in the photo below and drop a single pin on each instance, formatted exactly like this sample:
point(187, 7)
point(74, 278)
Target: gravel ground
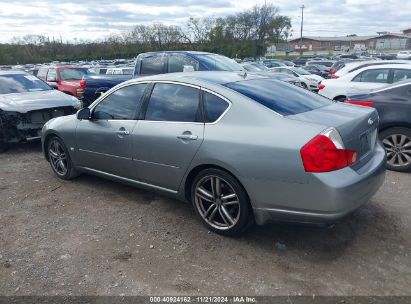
point(91, 236)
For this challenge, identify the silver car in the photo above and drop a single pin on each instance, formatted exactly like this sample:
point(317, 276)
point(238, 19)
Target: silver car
point(240, 148)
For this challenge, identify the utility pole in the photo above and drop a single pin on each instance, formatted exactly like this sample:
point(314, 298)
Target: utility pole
point(302, 24)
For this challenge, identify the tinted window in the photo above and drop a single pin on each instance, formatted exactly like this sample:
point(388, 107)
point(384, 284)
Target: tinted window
point(401, 74)
point(152, 65)
point(214, 62)
point(121, 104)
point(19, 83)
point(377, 75)
point(181, 63)
point(214, 106)
point(280, 97)
point(171, 102)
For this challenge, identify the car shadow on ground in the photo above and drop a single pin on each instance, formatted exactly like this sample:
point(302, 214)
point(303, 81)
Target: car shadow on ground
point(322, 242)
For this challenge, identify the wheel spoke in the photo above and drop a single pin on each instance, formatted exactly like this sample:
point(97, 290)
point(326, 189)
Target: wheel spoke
point(403, 138)
point(217, 187)
point(392, 161)
point(227, 215)
point(230, 203)
point(212, 215)
point(387, 142)
point(205, 195)
point(209, 209)
point(63, 166)
point(229, 196)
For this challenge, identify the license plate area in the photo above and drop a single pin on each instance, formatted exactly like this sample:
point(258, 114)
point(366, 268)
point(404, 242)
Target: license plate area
point(368, 140)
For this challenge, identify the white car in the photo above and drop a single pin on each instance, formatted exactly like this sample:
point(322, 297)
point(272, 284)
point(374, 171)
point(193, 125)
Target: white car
point(404, 55)
point(308, 81)
point(365, 79)
point(356, 65)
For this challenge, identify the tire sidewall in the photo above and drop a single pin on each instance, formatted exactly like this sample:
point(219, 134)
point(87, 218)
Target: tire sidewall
point(245, 208)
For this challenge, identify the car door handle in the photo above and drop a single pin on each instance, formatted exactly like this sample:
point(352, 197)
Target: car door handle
point(187, 137)
point(123, 132)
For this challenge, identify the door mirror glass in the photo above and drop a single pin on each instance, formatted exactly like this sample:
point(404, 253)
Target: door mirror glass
point(84, 114)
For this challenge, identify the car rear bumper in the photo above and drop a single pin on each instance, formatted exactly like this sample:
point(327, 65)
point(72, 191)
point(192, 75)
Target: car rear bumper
point(332, 196)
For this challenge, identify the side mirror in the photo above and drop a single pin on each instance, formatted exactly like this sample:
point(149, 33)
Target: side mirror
point(84, 114)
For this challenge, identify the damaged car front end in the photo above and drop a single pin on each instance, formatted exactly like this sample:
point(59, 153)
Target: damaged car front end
point(26, 104)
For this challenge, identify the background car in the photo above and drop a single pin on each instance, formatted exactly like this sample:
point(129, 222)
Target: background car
point(317, 69)
point(259, 69)
point(356, 65)
point(327, 63)
point(26, 103)
point(237, 147)
point(308, 80)
point(65, 78)
point(393, 104)
point(404, 55)
point(368, 78)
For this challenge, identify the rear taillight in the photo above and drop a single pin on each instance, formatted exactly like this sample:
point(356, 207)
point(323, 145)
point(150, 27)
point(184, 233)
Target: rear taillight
point(361, 103)
point(333, 76)
point(321, 86)
point(332, 71)
point(326, 152)
point(83, 83)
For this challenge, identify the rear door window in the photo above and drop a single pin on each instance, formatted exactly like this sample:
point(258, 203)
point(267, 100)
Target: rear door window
point(375, 76)
point(401, 74)
point(181, 63)
point(152, 65)
point(173, 102)
point(285, 99)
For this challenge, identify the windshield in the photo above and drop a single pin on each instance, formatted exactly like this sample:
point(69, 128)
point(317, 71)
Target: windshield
point(21, 83)
point(74, 74)
point(278, 96)
point(219, 63)
point(301, 71)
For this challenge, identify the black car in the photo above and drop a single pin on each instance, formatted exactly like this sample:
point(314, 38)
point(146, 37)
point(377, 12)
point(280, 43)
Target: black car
point(393, 104)
point(318, 69)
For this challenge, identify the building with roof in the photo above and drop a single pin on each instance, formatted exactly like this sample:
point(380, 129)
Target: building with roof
point(380, 42)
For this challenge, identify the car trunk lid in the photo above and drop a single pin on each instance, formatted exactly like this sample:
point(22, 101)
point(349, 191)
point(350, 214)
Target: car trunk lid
point(357, 126)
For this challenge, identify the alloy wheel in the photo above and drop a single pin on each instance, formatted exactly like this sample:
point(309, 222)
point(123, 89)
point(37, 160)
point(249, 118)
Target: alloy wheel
point(58, 157)
point(217, 202)
point(398, 147)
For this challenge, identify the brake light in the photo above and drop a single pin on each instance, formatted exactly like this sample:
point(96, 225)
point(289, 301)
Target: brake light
point(361, 103)
point(321, 86)
point(83, 83)
point(325, 153)
point(333, 76)
point(332, 71)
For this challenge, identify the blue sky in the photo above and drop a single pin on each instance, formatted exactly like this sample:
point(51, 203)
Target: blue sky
point(95, 19)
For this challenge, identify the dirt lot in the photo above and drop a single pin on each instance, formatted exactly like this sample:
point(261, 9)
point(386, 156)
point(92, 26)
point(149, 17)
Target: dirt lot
point(93, 237)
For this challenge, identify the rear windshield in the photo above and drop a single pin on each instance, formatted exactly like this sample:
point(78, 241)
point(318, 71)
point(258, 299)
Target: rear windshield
point(215, 62)
point(278, 96)
point(20, 83)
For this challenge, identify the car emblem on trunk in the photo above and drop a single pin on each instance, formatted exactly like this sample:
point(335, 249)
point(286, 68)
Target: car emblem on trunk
point(370, 121)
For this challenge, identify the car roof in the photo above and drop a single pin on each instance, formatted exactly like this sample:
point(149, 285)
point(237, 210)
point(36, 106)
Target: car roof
point(181, 52)
point(215, 77)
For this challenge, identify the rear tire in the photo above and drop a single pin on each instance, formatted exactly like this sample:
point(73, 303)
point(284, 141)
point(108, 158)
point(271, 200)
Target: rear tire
point(60, 160)
point(221, 202)
point(304, 86)
point(397, 144)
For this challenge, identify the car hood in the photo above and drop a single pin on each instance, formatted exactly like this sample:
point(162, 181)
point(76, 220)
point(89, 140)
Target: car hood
point(30, 101)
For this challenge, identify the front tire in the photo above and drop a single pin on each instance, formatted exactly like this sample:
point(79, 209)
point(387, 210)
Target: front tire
point(60, 160)
point(397, 143)
point(221, 202)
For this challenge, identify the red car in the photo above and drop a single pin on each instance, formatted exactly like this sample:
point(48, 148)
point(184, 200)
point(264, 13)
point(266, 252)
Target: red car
point(65, 78)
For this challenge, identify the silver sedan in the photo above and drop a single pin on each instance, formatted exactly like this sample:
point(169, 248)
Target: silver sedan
point(239, 148)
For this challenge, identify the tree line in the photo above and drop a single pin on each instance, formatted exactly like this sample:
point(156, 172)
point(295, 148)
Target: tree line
point(244, 34)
